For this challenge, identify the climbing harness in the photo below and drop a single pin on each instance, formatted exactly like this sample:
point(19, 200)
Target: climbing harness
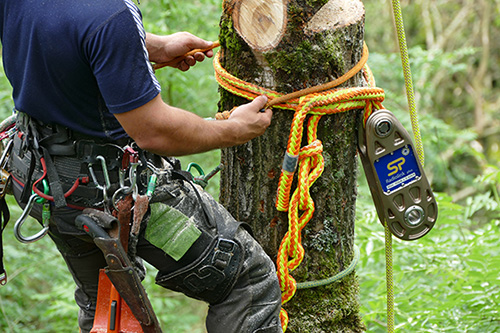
point(118, 179)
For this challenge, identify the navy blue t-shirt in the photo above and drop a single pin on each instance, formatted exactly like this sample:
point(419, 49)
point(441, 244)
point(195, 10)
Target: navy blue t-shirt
point(75, 63)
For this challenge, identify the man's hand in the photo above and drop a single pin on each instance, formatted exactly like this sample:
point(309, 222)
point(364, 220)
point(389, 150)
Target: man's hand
point(172, 48)
point(252, 118)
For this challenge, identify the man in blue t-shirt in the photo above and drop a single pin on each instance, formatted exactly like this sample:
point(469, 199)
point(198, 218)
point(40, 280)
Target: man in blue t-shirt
point(85, 96)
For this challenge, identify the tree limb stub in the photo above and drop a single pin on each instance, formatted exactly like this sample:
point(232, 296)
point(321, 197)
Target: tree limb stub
point(335, 14)
point(260, 23)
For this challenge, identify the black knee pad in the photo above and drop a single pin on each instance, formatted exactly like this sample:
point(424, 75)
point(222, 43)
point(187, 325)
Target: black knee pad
point(212, 276)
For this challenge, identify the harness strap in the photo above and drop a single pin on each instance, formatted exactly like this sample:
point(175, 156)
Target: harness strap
point(124, 217)
point(26, 193)
point(63, 155)
point(54, 182)
point(186, 176)
point(33, 143)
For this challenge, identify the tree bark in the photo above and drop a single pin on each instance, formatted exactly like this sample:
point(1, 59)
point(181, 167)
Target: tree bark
point(287, 46)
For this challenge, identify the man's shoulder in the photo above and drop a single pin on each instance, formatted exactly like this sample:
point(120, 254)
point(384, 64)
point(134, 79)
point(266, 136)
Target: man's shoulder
point(63, 14)
point(96, 11)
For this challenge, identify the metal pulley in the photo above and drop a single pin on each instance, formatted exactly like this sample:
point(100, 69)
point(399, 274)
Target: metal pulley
point(400, 190)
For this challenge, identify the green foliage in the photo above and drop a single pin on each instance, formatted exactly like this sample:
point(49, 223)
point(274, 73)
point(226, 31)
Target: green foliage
point(195, 90)
point(39, 286)
point(445, 282)
point(6, 103)
point(456, 154)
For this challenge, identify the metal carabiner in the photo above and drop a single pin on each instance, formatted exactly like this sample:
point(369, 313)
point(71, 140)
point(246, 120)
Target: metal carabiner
point(20, 221)
point(124, 191)
point(107, 183)
point(4, 159)
point(132, 176)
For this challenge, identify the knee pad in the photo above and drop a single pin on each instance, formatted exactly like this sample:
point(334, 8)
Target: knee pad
point(212, 276)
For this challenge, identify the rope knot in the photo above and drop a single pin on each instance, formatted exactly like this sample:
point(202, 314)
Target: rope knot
point(312, 149)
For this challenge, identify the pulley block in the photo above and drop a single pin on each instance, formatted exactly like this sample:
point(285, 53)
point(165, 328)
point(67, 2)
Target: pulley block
point(399, 187)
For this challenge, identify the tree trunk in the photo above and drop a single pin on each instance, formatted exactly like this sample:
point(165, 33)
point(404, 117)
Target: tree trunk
point(287, 46)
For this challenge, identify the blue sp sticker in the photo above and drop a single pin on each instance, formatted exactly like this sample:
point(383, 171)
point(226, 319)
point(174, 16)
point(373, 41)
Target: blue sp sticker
point(398, 169)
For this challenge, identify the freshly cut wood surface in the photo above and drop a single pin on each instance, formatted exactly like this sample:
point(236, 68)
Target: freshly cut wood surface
point(336, 14)
point(260, 23)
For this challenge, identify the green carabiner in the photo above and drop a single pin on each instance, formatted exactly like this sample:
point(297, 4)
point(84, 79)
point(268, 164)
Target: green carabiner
point(197, 167)
point(46, 190)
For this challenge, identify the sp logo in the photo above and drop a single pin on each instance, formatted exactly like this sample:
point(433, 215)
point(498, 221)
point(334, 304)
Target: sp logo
point(396, 165)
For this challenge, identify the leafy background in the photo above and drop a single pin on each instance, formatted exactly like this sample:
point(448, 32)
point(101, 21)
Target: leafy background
point(447, 281)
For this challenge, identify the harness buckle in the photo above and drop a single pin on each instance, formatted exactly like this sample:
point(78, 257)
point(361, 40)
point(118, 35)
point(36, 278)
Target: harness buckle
point(224, 251)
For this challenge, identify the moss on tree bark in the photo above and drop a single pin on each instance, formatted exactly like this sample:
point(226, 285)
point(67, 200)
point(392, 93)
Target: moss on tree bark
point(303, 58)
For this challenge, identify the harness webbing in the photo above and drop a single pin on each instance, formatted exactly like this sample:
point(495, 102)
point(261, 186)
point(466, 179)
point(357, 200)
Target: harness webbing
point(314, 102)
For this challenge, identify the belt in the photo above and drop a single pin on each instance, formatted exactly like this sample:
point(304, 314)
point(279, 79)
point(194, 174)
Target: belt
point(62, 141)
point(69, 154)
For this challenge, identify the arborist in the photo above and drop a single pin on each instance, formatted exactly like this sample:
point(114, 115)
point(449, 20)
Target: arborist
point(91, 129)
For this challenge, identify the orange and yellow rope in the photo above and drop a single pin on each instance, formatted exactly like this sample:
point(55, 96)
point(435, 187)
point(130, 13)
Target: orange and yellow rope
point(310, 104)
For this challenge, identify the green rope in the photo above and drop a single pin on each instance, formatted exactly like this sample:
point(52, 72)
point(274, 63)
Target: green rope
point(410, 95)
point(405, 60)
point(389, 277)
point(336, 277)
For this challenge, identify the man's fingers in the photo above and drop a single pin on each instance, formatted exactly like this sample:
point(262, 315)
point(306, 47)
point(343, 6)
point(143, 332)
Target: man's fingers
point(260, 102)
point(199, 56)
point(191, 61)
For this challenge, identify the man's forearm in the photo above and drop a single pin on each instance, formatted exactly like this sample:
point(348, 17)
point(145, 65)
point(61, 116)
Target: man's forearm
point(169, 131)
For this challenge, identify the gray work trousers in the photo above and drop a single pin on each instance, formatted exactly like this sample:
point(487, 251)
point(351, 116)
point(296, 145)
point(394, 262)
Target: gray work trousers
point(251, 305)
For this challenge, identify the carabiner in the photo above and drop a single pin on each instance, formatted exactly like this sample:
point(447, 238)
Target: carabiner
point(124, 191)
point(46, 190)
point(197, 167)
point(20, 221)
point(132, 175)
point(4, 159)
point(107, 183)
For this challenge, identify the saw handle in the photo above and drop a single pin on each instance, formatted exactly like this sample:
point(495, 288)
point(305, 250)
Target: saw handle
point(89, 225)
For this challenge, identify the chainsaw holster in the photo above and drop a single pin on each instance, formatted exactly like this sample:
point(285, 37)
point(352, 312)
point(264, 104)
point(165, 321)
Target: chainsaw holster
point(126, 281)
